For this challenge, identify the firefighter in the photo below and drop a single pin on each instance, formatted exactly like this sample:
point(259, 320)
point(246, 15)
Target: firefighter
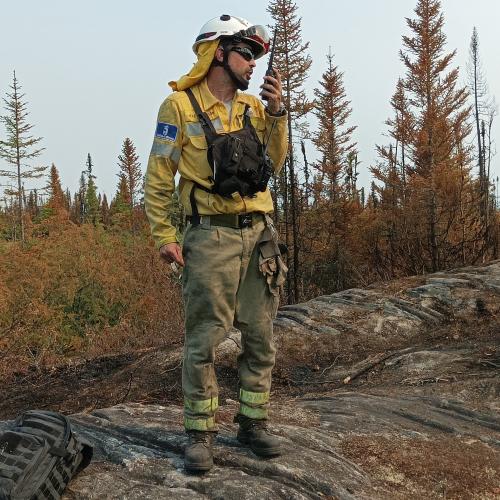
point(224, 144)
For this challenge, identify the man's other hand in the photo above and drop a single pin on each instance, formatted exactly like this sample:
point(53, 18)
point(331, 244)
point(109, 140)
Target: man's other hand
point(171, 252)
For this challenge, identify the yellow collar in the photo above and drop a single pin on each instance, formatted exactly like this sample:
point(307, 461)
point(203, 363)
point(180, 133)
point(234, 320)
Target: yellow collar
point(208, 100)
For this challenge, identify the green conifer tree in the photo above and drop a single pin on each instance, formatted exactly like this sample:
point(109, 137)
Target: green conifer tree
point(19, 146)
point(91, 200)
point(130, 167)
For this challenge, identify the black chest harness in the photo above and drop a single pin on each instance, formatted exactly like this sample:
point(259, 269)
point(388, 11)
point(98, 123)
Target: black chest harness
point(238, 159)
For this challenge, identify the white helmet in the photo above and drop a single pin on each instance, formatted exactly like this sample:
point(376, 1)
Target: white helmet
point(237, 28)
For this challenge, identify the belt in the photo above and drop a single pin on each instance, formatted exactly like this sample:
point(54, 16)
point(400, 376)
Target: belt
point(236, 221)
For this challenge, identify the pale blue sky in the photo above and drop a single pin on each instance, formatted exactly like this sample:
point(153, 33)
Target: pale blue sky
point(95, 72)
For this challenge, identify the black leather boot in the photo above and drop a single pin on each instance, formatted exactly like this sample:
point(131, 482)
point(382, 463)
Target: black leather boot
point(198, 455)
point(255, 434)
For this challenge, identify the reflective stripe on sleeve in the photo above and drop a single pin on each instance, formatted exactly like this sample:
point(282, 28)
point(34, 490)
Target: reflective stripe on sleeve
point(165, 150)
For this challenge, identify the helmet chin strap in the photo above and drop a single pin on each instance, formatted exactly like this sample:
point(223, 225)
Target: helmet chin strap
point(240, 84)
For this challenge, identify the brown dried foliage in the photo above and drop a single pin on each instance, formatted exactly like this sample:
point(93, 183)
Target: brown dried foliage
point(83, 291)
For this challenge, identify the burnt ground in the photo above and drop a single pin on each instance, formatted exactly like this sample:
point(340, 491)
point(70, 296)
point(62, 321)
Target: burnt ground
point(442, 467)
point(154, 376)
point(452, 367)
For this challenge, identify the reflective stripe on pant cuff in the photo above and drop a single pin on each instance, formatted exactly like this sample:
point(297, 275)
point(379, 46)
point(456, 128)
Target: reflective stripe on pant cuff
point(200, 424)
point(256, 398)
point(257, 413)
point(208, 406)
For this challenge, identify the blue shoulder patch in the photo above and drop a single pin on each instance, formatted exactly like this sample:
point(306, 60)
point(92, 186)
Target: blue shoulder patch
point(166, 131)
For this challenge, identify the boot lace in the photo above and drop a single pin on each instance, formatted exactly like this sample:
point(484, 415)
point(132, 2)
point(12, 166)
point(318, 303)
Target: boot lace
point(256, 425)
point(200, 437)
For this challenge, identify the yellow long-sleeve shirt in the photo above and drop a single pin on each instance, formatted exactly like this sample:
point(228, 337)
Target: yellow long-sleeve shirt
point(180, 146)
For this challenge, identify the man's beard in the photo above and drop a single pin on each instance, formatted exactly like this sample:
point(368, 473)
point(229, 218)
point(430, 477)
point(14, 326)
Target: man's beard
point(239, 82)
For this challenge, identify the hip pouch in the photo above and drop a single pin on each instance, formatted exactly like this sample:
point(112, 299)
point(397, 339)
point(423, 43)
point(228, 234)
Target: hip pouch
point(238, 160)
point(271, 263)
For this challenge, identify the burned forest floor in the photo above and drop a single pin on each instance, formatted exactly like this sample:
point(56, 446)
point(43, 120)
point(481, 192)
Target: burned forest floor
point(400, 381)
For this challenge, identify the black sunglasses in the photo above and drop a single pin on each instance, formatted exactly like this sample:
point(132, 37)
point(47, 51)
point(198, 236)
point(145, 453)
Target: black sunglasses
point(244, 52)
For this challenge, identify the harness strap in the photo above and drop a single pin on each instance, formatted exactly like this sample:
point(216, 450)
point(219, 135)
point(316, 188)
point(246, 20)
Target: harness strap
point(246, 119)
point(210, 134)
point(192, 199)
point(205, 122)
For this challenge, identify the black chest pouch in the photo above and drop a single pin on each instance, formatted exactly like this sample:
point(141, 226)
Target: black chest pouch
point(238, 160)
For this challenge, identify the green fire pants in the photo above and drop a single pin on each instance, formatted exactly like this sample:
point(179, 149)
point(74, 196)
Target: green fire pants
point(223, 287)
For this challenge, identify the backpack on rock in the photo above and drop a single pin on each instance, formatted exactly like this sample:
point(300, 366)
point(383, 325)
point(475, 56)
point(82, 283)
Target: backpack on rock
point(39, 455)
